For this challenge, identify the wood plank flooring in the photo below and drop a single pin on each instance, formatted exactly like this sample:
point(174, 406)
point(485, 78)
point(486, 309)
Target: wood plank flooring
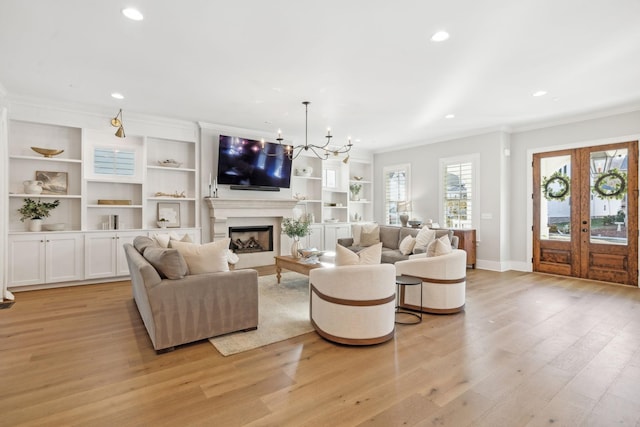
point(529, 350)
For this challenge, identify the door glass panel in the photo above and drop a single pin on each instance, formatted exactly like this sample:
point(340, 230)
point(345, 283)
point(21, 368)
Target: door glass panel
point(555, 200)
point(608, 208)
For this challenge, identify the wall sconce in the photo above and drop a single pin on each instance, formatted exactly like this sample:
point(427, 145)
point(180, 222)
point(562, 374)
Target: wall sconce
point(117, 123)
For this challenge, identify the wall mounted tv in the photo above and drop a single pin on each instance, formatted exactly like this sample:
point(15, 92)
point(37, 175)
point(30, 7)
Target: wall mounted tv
point(243, 164)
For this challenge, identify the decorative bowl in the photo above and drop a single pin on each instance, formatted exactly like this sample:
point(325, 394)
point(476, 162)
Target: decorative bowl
point(415, 223)
point(169, 163)
point(358, 178)
point(47, 152)
point(53, 227)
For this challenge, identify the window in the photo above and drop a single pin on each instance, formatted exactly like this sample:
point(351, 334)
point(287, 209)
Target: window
point(396, 189)
point(459, 191)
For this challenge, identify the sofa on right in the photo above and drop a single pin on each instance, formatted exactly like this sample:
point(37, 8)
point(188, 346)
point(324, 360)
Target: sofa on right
point(391, 237)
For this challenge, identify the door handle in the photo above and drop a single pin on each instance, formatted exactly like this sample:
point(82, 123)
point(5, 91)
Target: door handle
point(585, 229)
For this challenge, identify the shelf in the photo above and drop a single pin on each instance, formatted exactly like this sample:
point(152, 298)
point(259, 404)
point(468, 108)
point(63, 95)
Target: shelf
point(47, 196)
point(172, 199)
point(309, 201)
point(335, 207)
point(306, 177)
point(363, 202)
point(355, 181)
point(45, 159)
point(165, 168)
point(113, 181)
point(115, 206)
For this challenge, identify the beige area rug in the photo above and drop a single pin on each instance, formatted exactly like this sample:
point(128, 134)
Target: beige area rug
point(283, 312)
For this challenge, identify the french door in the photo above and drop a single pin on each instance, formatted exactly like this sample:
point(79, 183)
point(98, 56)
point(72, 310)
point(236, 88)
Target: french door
point(585, 204)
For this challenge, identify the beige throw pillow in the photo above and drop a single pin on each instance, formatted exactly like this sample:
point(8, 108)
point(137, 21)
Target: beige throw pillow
point(207, 258)
point(367, 256)
point(441, 246)
point(163, 239)
point(370, 235)
point(424, 237)
point(407, 244)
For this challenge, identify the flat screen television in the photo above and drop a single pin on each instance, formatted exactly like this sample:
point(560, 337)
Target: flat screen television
point(243, 162)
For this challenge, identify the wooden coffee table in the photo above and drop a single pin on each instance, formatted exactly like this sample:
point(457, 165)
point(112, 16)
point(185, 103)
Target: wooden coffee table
point(290, 263)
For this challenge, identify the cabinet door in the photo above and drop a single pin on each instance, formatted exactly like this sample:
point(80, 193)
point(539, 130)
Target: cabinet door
point(122, 268)
point(26, 259)
point(64, 257)
point(316, 238)
point(100, 255)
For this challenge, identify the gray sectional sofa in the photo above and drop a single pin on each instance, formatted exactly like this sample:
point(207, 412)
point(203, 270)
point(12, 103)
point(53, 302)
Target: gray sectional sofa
point(391, 236)
point(194, 307)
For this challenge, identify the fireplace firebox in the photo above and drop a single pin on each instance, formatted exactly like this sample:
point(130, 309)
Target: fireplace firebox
point(251, 239)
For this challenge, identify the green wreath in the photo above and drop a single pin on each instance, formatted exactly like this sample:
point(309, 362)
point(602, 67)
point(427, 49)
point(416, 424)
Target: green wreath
point(611, 185)
point(556, 178)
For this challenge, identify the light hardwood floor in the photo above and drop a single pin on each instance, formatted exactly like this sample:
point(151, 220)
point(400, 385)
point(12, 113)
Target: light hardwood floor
point(530, 349)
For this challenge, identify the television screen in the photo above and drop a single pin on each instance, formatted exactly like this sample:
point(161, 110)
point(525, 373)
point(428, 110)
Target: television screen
point(244, 162)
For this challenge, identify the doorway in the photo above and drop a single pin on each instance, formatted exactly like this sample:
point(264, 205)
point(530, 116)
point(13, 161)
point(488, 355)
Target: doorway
point(585, 204)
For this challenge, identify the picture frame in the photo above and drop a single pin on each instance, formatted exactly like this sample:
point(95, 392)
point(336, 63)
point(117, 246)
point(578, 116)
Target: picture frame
point(53, 182)
point(170, 212)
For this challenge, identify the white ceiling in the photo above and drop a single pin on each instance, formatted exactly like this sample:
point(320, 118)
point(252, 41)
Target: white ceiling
point(368, 66)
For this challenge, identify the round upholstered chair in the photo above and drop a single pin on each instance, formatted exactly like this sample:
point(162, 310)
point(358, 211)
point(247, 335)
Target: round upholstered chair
point(353, 304)
point(444, 282)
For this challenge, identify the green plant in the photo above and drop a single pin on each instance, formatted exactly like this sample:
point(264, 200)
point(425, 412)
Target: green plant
point(611, 185)
point(355, 189)
point(556, 187)
point(36, 210)
point(296, 227)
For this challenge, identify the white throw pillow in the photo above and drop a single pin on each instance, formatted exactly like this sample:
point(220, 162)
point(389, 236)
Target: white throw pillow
point(441, 246)
point(424, 237)
point(367, 256)
point(163, 239)
point(407, 244)
point(370, 235)
point(356, 230)
point(207, 258)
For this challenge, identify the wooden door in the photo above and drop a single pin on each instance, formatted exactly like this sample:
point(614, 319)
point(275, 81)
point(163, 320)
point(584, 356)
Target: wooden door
point(586, 213)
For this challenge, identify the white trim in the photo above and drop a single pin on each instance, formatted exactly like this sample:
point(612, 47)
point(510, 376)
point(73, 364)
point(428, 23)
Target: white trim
point(400, 166)
point(492, 265)
point(4, 212)
point(580, 144)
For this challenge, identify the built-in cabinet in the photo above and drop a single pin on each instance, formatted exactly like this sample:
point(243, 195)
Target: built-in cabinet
point(37, 258)
point(96, 177)
point(324, 190)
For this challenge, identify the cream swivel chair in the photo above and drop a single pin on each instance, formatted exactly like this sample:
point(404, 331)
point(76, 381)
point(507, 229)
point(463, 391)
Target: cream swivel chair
point(443, 282)
point(353, 304)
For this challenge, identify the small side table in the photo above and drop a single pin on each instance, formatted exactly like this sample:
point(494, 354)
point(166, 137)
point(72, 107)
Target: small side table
point(409, 281)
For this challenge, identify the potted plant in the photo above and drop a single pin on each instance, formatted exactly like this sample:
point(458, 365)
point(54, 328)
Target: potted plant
point(295, 229)
point(355, 191)
point(162, 223)
point(36, 211)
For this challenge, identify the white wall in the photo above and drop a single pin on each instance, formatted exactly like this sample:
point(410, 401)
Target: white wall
point(505, 179)
point(425, 193)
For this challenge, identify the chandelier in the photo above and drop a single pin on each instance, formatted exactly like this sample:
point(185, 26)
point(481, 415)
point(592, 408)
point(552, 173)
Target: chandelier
point(320, 151)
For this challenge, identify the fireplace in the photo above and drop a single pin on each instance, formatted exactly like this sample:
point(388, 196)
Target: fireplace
point(251, 239)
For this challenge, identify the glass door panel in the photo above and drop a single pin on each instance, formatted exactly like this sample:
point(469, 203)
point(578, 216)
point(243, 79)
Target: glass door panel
point(608, 206)
point(555, 198)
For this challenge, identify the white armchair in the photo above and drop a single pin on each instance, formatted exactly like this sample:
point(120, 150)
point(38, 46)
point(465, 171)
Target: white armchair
point(444, 282)
point(353, 304)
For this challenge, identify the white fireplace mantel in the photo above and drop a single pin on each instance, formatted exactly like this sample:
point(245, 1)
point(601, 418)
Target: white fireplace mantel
point(221, 210)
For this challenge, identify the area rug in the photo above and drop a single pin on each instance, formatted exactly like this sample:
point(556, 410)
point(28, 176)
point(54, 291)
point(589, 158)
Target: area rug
point(283, 312)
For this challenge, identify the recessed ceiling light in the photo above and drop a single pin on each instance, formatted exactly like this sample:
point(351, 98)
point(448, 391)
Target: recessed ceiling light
point(117, 95)
point(440, 36)
point(540, 93)
point(133, 14)
point(449, 116)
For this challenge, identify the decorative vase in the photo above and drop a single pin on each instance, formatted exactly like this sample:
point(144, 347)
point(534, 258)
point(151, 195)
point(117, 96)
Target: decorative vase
point(35, 224)
point(355, 197)
point(32, 187)
point(295, 245)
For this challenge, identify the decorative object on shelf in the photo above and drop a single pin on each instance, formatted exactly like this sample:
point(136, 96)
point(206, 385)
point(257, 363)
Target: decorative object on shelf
point(404, 207)
point(611, 185)
point(355, 191)
point(299, 196)
point(113, 202)
point(357, 217)
point(320, 151)
point(47, 152)
point(169, 163)
point(213, 187)
point(36, 211)
point(331, 220)
point(162, 223)
point(295, 229)
point(358, 178)
point(170, 212)
point(304, 171)
point(415, 223)
point(32, 187)
point(53, 182)
point(175, 195)
point(556, 187)
point(117, 123)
